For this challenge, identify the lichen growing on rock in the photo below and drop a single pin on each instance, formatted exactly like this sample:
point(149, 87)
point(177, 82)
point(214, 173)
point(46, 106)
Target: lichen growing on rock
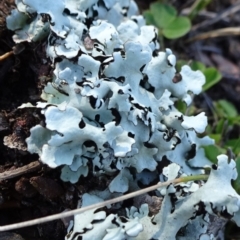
point(111, 101)
point(110, 108)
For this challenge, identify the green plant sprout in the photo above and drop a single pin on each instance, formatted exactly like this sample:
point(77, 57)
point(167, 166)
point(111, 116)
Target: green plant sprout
point(197, 6)
point(165, 18)
point(225, 118)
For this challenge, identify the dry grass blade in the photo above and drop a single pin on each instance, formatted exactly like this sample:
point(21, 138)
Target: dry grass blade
point(6, 55)
point(16, 50)
point(99, 205)
point(231, 31)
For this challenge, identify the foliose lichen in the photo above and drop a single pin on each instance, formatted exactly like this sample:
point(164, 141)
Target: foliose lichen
point(110, 108)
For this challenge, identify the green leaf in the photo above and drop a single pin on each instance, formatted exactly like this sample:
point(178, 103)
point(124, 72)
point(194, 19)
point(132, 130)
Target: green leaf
point(228, 108)
point(213, 76)
point(177, 28)
point(163, 14)
point(195, 65)
point(217, 137)
point(220, 126)
point(180, 63)
point(212, 151)
point(219, 112)
point(181, 106)
point(209, 129)
point(234, 144)
point(149, 18)
point(234, 120)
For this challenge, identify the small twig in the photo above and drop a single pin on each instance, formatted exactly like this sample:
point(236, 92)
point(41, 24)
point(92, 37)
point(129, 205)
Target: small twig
point(16, 50)
point(229, 11)
point(33, 166)
point(101, 204)
point(6, 55)
point(232, 31)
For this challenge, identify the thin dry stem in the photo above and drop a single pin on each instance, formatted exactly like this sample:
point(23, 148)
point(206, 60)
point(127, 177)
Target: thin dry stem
point(99, 205)
point(6, 55)
point(231, 31)
point(33, 166)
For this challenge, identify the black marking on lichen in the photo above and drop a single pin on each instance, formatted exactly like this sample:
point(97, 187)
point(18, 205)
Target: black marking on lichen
point(214, 166)
point(82, 124)
point(117, 116)
point(131, 135)
point(92, 102)
point(192, 152)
